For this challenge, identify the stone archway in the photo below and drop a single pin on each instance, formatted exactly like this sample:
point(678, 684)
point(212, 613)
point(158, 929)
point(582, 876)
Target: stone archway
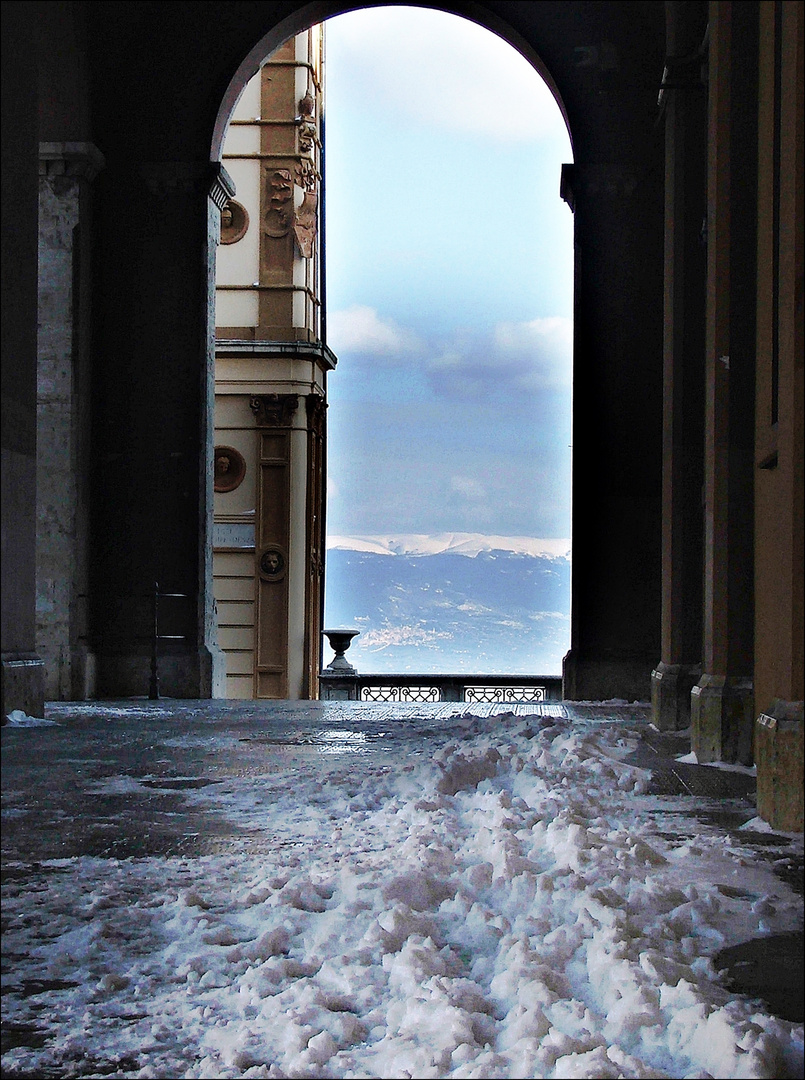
point(156, 216)
point(270, 626)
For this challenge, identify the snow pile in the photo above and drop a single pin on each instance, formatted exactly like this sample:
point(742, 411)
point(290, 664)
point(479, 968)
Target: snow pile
point(505, 907)
point(19, 718)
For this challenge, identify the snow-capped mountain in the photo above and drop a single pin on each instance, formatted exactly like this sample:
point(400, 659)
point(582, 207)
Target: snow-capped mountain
point(457, 543)
point(455, 603)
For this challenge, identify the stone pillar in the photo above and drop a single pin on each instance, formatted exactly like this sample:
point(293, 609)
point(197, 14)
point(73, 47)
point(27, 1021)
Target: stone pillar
point(684, 104)
point(66, 171)
point(316, 486)
point(722, 704)
point(153, 445)
point(617, 403)
point(22, 667)
point(287, 555)
point(779, 420)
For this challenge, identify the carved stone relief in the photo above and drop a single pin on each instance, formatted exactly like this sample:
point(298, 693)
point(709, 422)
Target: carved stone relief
point(304, 226)
point(306, 125)
point(306, 175)
point(278, 217)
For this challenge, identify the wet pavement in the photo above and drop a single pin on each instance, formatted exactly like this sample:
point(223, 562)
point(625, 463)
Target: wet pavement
point(115, 780)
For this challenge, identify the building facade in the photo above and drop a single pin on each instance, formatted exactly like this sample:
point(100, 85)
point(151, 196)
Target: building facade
point(686, 119)
point(271, 368)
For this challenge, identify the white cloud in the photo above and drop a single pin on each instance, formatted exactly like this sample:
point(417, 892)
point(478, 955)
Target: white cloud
point(468, 487)
point(544, 345)
point(389, 635)
point(445, 72)
point(360, 329)
point(515, 357)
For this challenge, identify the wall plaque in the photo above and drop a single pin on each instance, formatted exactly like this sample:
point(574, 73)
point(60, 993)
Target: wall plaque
point(237, 534)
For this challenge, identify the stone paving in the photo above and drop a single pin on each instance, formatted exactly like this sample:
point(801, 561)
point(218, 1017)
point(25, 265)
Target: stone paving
point(52, 811)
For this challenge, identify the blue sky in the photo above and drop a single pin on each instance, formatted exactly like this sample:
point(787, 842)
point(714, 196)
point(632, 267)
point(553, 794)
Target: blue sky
point(449, 277)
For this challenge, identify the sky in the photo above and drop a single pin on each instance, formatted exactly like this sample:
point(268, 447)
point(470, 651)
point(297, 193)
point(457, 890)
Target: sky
point(432, 893)
point(449, 282)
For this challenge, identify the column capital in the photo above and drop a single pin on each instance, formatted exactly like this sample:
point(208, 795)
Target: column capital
point(274, 410)
point(587, 180)
point(222, 186)
point(316, 408)
point(82, 160)
point(186, 179)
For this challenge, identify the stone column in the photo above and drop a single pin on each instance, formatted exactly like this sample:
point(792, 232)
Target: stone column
point(316, 408)
point(780, 421)
point(722, 704)
point(66, 171)
point(152, 446)
point(617, 403)
point(684, 105)
point(22, 667)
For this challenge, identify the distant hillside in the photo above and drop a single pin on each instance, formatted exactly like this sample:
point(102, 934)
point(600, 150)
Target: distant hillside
point(456, 542)
point(496, 612)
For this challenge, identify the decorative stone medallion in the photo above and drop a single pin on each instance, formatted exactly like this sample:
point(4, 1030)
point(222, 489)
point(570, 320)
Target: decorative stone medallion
point(229, 468)
point(234, 222)
point(272, 564)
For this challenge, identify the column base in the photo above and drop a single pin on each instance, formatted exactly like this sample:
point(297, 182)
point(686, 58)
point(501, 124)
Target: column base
point(671, 686)
point(23, 684)
point(722, 719)
point(624, 677)
point(779, 757)
point(199, 674)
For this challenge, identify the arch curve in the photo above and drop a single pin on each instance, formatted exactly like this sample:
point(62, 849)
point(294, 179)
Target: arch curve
point(310, 14)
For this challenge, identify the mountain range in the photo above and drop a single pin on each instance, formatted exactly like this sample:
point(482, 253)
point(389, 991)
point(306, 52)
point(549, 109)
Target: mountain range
point(455, 542)
point(453, 604)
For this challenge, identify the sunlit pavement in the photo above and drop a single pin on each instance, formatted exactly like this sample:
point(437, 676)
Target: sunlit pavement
point(59, 802)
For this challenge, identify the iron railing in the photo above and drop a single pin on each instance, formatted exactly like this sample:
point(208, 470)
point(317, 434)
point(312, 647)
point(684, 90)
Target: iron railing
point(495, 689)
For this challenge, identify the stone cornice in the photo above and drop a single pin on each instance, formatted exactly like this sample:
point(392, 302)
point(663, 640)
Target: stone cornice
point(82, 160)
point(308, 350)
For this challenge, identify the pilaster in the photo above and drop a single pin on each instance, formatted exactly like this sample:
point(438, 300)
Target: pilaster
point(684, 112)
point(274, 415)
point(617, 403)
point(153, 444)
point(22, 668)
point(724, 696)
point(66, 171)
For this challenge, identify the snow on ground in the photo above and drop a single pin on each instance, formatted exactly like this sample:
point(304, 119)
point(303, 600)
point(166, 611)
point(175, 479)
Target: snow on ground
point(18, 718)
point(505, 906)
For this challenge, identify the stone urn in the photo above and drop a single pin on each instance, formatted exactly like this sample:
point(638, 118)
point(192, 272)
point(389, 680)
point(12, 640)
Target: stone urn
point(340, 641)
